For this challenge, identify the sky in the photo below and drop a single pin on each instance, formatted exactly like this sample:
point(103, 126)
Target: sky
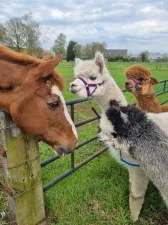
point(136, 25)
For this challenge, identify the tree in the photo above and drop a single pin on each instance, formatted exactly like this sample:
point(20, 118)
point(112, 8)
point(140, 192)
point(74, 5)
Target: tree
point(59, 47)
point(2, 33)
point(133, 59)
point(15, 33)
point(97, 46)
point(78, 50)
point(87, 51)
point(70, 50)
point(159, 59)
point(90, 49)
point(126, 58)
point(144, 56)
point(165, 59)
point(112, 59)
point(22, 33)
point(33, 33)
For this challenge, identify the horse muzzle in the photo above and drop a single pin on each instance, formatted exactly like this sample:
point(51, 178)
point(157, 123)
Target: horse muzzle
point(62, 150)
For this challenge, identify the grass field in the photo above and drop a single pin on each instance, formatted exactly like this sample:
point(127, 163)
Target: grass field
point(97, 194)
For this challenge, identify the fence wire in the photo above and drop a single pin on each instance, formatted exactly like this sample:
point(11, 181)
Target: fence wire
point(163, 90)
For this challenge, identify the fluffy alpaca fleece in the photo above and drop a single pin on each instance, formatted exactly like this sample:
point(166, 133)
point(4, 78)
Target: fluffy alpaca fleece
point(133, 133)
point(145, 97)
point(95, 71)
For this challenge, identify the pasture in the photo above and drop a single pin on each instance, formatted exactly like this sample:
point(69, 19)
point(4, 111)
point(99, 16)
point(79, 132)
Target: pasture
point(96, 194)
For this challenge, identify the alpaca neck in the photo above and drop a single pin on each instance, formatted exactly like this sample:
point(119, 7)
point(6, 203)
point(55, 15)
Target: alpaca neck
point(148, 103)
point(112, 92)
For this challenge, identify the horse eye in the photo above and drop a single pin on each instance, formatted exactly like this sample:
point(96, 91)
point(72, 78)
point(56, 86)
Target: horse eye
point(53, 105)
point(92, 78)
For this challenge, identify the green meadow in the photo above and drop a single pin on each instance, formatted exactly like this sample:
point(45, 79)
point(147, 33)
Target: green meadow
point(98, 193)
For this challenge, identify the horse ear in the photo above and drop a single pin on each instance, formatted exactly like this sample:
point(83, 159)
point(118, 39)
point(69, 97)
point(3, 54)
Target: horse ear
point(77, 61)
point(46, 57)
point(99, 60)
point(154, 81)
point(45, 68)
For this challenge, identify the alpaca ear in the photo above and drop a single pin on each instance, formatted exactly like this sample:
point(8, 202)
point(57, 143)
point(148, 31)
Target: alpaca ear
point(77, 61)
point(99, 60)
point(113, 113)
point(44, 69)
point(124, 117)
point(154, 81)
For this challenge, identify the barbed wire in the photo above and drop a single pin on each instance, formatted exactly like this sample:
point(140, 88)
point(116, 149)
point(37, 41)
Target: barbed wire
point(30, 213)
point(26, 161)
point(15, 196)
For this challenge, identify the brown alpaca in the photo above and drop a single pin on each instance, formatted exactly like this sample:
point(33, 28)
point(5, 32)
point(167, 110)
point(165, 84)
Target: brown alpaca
point(140, 84)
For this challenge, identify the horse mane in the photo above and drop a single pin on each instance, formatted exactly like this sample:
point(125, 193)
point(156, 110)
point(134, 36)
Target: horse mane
point(23, 59)
point(15, 57)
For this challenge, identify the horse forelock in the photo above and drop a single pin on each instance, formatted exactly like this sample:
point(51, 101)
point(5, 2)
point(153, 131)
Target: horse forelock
point(59, 80)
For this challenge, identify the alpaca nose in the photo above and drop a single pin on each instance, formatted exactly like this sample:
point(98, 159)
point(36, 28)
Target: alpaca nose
point(126, 83)
point(72, 85)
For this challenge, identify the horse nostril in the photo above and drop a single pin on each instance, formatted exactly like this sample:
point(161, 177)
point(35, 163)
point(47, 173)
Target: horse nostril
point(65, 149)
point(62, 150)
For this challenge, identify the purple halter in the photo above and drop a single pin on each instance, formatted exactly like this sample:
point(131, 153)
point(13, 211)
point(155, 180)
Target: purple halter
point(88, 86)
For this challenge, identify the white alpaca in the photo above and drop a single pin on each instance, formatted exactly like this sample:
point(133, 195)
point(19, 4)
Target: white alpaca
point(95, 72)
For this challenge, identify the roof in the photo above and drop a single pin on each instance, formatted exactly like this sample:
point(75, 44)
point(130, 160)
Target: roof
point(115, 52)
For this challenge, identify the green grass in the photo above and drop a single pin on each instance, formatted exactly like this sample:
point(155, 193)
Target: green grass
point(98, 193)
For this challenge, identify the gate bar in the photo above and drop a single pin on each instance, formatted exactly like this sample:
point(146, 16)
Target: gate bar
point(52, 159)
point(53, 182)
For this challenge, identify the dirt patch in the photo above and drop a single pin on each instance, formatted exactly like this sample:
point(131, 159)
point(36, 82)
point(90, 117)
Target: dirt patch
point(97, 209)
point(159, 217)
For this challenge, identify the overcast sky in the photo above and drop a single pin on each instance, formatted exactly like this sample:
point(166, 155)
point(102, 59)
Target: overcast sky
point(135, 25)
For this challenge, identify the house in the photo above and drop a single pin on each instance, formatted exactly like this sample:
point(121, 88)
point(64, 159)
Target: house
point(115, 52)
point(153, 56)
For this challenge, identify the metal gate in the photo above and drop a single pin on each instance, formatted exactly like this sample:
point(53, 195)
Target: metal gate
point(74, 167)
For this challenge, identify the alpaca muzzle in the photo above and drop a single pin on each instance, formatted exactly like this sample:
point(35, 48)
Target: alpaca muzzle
point(131, 84)
point(89, 86)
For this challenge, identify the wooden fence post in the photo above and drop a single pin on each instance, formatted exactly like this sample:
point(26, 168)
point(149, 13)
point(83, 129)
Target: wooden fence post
point(22, 174)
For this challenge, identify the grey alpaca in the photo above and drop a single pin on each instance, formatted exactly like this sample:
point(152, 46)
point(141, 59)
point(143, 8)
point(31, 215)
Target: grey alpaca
point(128, 129)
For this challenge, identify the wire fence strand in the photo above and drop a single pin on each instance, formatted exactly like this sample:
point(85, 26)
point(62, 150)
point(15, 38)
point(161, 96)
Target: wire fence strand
point(29, 214)
point(15, 196)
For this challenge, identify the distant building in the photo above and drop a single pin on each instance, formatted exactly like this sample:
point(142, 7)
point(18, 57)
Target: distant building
point(153, 56)
point(115, 52)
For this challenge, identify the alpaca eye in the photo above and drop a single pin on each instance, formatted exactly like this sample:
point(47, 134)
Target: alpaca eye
point(114, 134)
point(53, 105)
point(141, 80)
point(92, 78)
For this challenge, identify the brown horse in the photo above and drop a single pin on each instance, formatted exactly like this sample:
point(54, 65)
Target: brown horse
point(30, 90)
